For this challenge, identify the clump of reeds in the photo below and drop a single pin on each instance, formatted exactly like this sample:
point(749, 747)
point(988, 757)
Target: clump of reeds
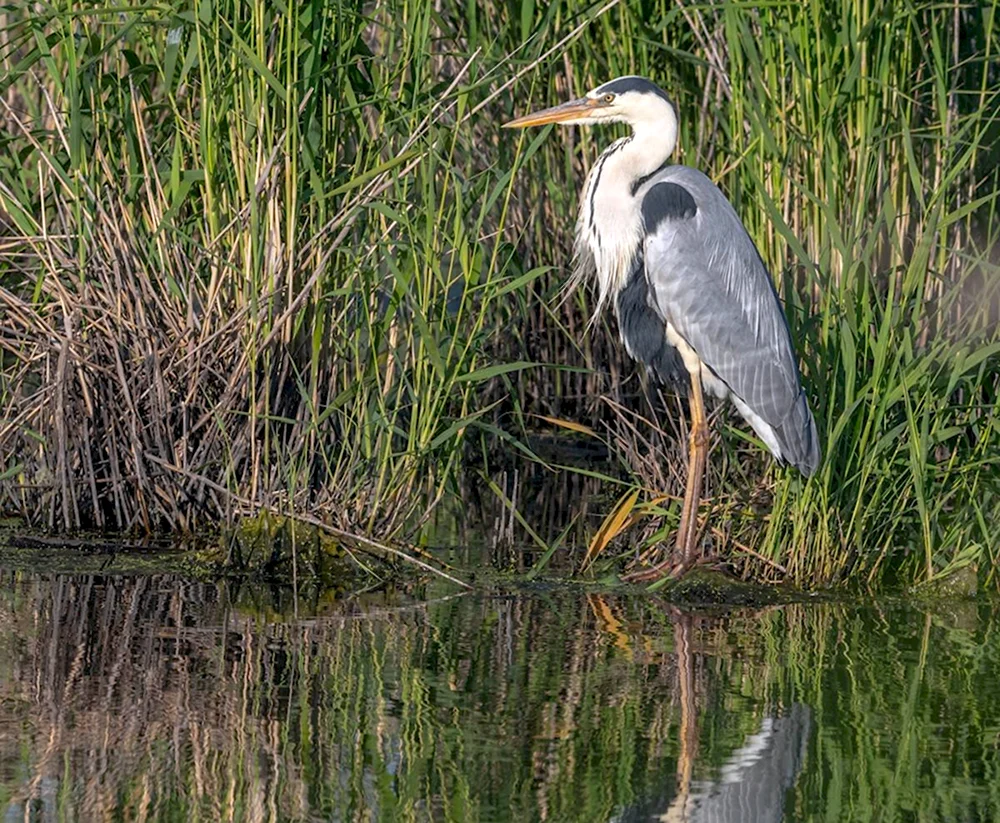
point(860, 146)
point(283, 258)
point(225, 288)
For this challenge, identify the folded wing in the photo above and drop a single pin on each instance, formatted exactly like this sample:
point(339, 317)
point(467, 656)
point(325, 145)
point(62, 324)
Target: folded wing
point(709, 283)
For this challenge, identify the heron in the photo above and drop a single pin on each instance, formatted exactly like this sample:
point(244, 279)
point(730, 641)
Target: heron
point(693, 299)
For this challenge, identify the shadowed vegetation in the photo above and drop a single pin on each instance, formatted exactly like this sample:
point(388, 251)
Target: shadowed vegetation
point(264, 257)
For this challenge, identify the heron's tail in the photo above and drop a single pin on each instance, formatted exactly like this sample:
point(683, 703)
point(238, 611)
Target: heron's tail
point(798, 439)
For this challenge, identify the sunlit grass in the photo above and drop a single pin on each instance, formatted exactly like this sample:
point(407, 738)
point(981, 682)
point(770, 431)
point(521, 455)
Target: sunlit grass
point(284, 258)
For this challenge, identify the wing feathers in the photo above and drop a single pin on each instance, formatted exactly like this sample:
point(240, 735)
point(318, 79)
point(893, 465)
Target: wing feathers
point(667, 201)
point(799, 439)
point(709, 283)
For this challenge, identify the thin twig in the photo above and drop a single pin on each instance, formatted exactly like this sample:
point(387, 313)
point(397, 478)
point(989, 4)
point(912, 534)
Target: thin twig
point(744, 548)
point(375, 545)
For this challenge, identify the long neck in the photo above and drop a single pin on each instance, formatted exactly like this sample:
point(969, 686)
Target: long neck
point(609, 229)
point(650, 146)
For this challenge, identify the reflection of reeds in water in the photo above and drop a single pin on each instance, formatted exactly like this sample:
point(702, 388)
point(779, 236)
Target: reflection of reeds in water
point(115, 672)
point(155, 698)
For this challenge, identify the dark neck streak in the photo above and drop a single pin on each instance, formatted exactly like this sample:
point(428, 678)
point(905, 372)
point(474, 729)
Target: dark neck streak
point(612, 149)
point(639, 182)
point(593, 190)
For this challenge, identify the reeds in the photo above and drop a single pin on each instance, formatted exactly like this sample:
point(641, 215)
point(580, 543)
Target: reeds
point(254, 257)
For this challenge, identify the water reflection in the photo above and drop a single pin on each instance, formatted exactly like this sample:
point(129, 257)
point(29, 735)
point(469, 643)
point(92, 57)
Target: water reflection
point(752, 782)
point(159, 698)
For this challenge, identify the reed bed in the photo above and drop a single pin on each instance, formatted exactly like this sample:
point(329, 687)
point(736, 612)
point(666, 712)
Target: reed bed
point(282, 258)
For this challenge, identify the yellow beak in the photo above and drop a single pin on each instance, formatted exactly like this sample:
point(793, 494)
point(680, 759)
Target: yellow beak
point(566, 112)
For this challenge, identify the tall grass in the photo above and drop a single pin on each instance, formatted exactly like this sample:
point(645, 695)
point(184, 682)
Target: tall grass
point(889, 155)
point(229, 268)
point(261, 256)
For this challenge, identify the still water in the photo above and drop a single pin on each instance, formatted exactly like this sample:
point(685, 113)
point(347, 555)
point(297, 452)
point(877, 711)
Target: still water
point(160, 698)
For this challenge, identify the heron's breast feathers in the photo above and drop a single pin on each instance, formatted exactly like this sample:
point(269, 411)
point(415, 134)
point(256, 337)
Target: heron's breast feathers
point(609, 230)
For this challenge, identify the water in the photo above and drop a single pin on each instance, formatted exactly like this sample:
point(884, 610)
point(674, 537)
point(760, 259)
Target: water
point(157, 698)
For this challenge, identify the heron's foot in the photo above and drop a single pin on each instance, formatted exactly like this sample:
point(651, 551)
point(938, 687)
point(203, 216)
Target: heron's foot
point(687, 553)
point(669, 569)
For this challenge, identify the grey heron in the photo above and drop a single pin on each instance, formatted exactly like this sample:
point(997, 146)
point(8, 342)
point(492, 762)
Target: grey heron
point(686, 283)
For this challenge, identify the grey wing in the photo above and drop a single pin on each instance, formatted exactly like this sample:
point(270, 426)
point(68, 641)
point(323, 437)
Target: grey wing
point(710, 284)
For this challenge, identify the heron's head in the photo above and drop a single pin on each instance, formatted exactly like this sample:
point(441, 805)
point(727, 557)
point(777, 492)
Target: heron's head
point(633, 100)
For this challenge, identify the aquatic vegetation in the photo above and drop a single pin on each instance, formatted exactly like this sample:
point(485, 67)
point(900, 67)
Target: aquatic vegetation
point(259, 257)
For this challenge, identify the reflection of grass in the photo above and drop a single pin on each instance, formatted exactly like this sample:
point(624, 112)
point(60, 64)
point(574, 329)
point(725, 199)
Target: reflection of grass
point(154, 697)
point(260, 255)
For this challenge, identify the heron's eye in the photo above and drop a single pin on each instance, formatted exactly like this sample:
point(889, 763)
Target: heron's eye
point(609, 98)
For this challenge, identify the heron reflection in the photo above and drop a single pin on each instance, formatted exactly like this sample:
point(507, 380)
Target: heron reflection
point(751, 784)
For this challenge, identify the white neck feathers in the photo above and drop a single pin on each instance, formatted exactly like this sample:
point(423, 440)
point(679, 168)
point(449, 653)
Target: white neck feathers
point(609, 228)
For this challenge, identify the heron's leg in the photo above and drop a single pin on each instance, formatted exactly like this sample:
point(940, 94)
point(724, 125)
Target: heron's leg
point(687, 533)
point(697, 454)
point(689, 717)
